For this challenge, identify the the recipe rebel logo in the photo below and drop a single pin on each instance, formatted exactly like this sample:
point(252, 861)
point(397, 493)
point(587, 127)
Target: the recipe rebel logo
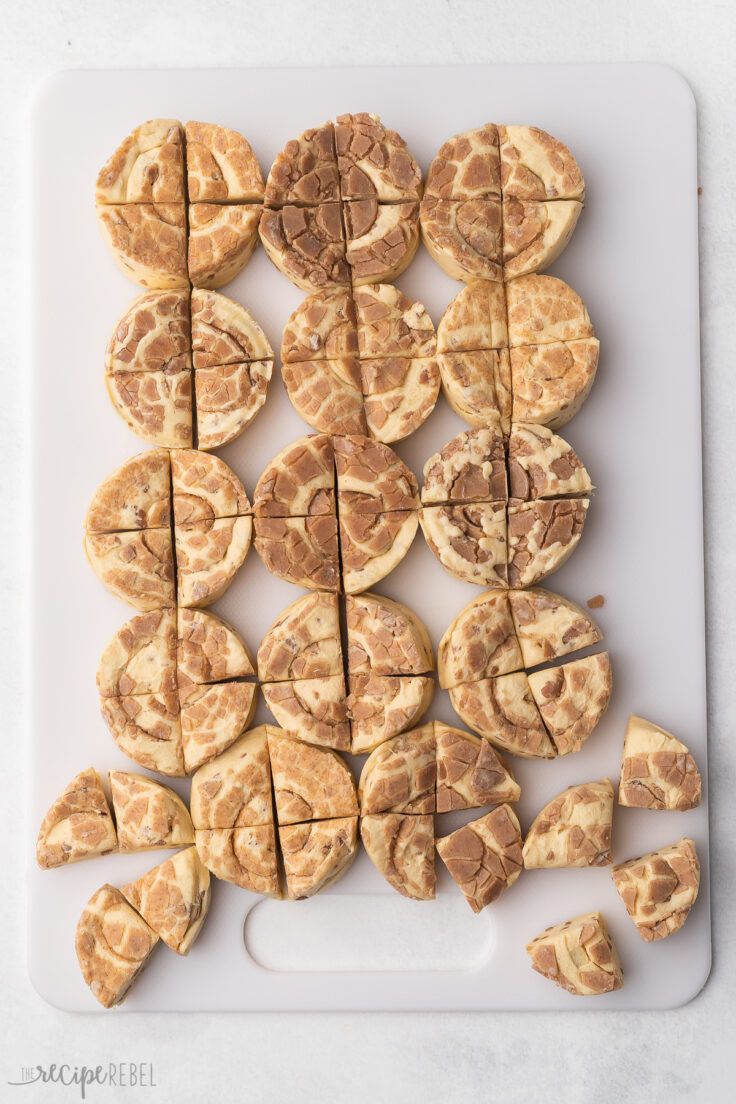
point(111, 1075)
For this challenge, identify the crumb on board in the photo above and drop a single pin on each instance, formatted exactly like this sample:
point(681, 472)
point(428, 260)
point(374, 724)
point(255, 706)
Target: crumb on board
point(596, 601)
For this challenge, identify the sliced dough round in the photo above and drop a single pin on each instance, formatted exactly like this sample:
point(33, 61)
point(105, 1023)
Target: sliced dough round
point(113, 944)
point(534, 165)
point(469, 541)
point(222, 239)
point(323, 327)
point(470, 773)
point(470, 468)
point(221, 166)
point(309, 783)
point(579, 956)
point(317, 854)
point(657, 770)
point(233, 790)
point(228, 398)
point(503, 711)
point(244, 856)
point(152, 335)
point(374, 161)
point(391, 324)
point(372, 545)
point(303, 642)
point(659, 888)
point(208, 556)
point(543, 465)
point(401, 847)
point(480, 643)
point(148, 242)
point(212, 718)
point(148, 815)
point(209, 650)
point(464, 236)
point(327, 394)
point(137, 567)
point(147, 728)
point(78, 825)
point(382, 706)
point(148, 167)
point(399, 394)
point(467, 166)
point(478, 386)
point(381, 239)
point(299, 481)
point(134, 496)
point(474, 320)
point(371, 479)
point(156, 406)
point(173, 899)
point(307, 245)
point(572, 699)
point(551, 382)
point(204, 488)
point(305, 171)
point(301, 550)
point(484, 857)
point(573, 829)
point(313, 710)
point(542, 535)
point(399, 776)
point(385, 637)
point(542, 310)
point(535, 234)
point(549, 626)
point(224, 332)
point(141, 656)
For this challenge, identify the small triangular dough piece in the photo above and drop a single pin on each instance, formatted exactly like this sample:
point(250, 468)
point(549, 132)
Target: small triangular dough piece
point(374, 161)
point(228, 398)
point(147, 728)
point(551, 382)
point(534, 165)
point(113, 944)
point(307, 245)
point(306, 170)
point(372, 545)
point(399, 776)
point(224, 332)
point(208, 556)
point(579, 956)
point(573, 829)
point(134, 496)
point(222, 239)
point(549, 626)
point(137, 567)
point(535, 234)
point(312, 710)
point(480, 643)
point(303, 551)
point(317, 854)
point(173, 899)
point(478, 386)
point(401, 847)
point(323, 327)
point(303, 642)
point(221, 166)
point(148, 815)
point(484, 857)
point(299, 481)
point(385, 637)
point(543, 465)
point(572, 699)
point(148, 242)
point(327, 394)
point(470, 773)
point(212, 718)
point(469, 541)
point(156, 406)
point(309, 783)
point(542, 535)
point(503, 711)
point(382, 706)
point(141, 656)
point(381, 239)
point(152, 335)
point(657, 770)
point(659, 888)
point(474, 320)
point(467, 166)
point(148, 167)
point(78, 825)
point(210, 650)
point(244, 856)
point(204, 488)
point(371, 478)
point(234, 789)
point(391, 324)
point(399, 394)
point(543, 309)
point(470, 468)
point(464, 236)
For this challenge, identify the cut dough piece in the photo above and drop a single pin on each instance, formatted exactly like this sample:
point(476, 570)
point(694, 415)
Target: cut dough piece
point(141, 656)
point(543, 309)
point(204, 488)
point(223, 332)
point(385, 637)
point(134, 496)
point(470, 773)
point(309, 783)
point(327, 394)
point(572, 699)
point(579, 956)
point(381, 239)
point(148, 242)
point(173, 899)
point(313, 710)
point(299, 481)
point(323, 327)
point(551, 382)
point(478, 386)
point(484, 857)
point(307, 245)
point(474, 320)
point(156, 406)
point(244, 856)
point(222, 239)
point(374, 161)
point(534, 165)
point(228, 399)
point(371, 546)
point(305, 171)
point(399, 776)
point(147, 728)
point(317, 854)
point(152, 335)
point(303, 642)
point(371, 479)
point(401, 847)
point(573, 829)
point(549, 626)
point(148, 167)
point(660, 888)
point(542, 535)
point(469, 541)
point(113, 944)
point(464, 236)
point(470, 468)
point(221, 166)
point(208, 555)
point(78, 825)
point(137, 567)
point(212, 718)
point(148, 815)
point(503, 711)
point(657, 770)
point(543, 465)
point(391, 325)
point(382, 706)
point(210, 650)
point(480, 643)
point(535, 234)
point(234, 789)
point(467, 166)
point(399, 395)
point(302, 550)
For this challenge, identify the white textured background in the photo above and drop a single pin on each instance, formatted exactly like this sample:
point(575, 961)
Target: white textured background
point(686, 1054)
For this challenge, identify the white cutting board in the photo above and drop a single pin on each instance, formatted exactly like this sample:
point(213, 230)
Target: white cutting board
point(634, 260)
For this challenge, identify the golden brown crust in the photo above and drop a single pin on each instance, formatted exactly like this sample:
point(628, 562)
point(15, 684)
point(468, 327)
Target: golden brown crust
point(572, 699)
point(221, 242)
point(204, 488)
point(371, 546)
point(542, 465)
point(148, 242)
point(147, 728)
point(316, 855)
point(173, 899)
point(470, 773)
point(401, 847)
point(470, 468)
point(469, 541)
point(381, 239)
point(657, 770)
point(543, 309)
point(244, 856)
point(303, 642)
point(155, 405)
point(551, 382)
point(148, 167)
point(137, 567)
point(305, 172)
point(374, 161)
point(302, 550)
point(78, 825)
point(221, 166)
point(210, 650)
point(299, 481)
point(573, 829)
point(535, 234)
point(467, 166)
point(113, 944)
point(478, 386)
point(659, 888)
point(323, 327)
point(208, 555)
point(212, 718)
point(399, 776)
point(391, 324)
point(503, 711)
point(464, 236)
point(549, 626)
point(307, 244)
point(148, 815)
point(327, 394)
point(134, 496)
point(579, 956)
point(141, 656)
point(474, 320)
point(382, 706)
point(224, 332)
point(228, 398)
point(385, 637)
point(480, 643)
point(484, 857)
point(534, 165)
point(542, 534)
point(309, 783)
point(152, 335)
point(371, 478)
point(313, 710)
point(233, 790)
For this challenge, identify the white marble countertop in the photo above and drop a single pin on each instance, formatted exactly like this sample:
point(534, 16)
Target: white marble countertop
point(685, 1054)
